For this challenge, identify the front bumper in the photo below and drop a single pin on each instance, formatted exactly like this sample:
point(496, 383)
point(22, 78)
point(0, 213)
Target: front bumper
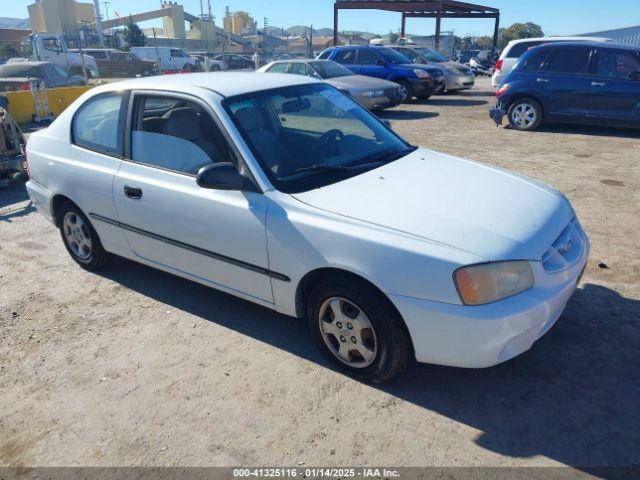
point(426, 87)
point(497, 114)
point(486, 335)
point(12, 165)
point(460, 82)
point(379, 103)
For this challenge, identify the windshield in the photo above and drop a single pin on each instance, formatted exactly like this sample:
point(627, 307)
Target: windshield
point(393, 56)
point(309, 136)
point(330, 69)
point(431, 55)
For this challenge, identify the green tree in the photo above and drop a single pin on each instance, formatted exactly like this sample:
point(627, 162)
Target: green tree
point(133, 35)
point(8, 51)
point(521, 30)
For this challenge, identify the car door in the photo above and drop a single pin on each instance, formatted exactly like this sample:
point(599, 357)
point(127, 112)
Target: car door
point(565, 81)
point(371, 64)
point(615, 87)
point(213, 236)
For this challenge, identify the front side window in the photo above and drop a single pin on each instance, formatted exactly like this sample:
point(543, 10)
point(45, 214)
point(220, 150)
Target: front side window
point(617, 64)
point(410, 54)
point(568, 60)
point(176, 135)
point(98, 124)
point(535, 62)
point(307, 136)
point(432, 56)
point(329, 69)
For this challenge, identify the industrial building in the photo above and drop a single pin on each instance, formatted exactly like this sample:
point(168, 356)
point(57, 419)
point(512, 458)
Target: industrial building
point(628, 36)
point(239, 23)
point(60, 16)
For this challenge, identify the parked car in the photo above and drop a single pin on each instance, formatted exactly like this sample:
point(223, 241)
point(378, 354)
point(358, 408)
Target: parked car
point(205, 57)
point(169, 59)
point(581, 82)
point(464, 56)
point(415, 80)
point(372, 93)
point(456, 75)
point(233, 61)
point(116, 63)
point(516, 48)
point(247, 183)
point(16, 76)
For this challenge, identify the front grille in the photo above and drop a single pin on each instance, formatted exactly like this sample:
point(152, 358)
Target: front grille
point(393, 92)
point(567, 250)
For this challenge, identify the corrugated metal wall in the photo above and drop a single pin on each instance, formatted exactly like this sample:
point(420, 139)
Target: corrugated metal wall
point(628, 36)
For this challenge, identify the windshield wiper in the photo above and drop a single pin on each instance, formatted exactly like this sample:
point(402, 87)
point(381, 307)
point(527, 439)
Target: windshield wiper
point(385, 156)
point(318, 168)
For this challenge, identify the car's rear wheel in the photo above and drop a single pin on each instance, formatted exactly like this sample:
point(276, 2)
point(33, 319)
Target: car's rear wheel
point(80, 238)
point(406, 91)
point(357, 329)
point(525, 114)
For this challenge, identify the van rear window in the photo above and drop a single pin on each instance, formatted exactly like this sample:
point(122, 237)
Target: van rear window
point(519, 48)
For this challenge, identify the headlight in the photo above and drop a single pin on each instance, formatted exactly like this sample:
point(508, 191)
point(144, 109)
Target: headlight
point(489, 282)
point(373, 93)
point(421, 73)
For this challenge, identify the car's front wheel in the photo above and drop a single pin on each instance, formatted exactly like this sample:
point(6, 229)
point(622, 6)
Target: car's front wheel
point(358, 329)
point(406, 91)
point(525, 114)
point(80, 238)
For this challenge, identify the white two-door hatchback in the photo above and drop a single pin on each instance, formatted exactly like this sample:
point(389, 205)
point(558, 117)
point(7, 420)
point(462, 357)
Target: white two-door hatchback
point(286, 192)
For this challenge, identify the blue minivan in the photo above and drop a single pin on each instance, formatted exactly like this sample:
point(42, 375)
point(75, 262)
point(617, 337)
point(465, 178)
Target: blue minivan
point(588, 82)
point(415, 79)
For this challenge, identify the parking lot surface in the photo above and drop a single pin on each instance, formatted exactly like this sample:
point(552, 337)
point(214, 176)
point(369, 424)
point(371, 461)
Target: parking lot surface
point(132, 366)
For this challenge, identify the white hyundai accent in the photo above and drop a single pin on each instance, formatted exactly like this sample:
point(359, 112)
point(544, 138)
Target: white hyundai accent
point(285, 192)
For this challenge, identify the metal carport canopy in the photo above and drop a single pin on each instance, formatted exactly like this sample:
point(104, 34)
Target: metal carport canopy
point(421, 9)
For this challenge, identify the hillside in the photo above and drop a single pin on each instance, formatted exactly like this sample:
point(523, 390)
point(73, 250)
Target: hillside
point(18, 23)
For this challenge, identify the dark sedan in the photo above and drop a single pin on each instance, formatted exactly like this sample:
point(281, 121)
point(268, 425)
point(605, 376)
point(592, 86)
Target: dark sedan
point(588, 82)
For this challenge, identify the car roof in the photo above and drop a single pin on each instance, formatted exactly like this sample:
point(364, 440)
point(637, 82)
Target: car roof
point(227, 84)
point(617, 46)
point(563, 39)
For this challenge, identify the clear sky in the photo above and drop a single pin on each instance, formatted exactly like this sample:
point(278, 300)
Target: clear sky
point(561, 17)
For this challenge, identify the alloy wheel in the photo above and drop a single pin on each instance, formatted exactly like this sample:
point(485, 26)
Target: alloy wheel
point(524, 115)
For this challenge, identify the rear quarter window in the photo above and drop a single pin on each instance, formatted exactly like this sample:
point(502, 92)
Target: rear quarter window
point(97, 125)
point(519, 48)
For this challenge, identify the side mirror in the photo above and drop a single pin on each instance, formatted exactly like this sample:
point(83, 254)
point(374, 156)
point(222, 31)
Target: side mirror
point(380, 63)
point(635, 75)
point(220, 176)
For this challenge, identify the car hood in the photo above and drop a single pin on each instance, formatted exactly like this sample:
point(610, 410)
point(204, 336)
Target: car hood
point(489, 212)
point(463, 69)
point(361, 82)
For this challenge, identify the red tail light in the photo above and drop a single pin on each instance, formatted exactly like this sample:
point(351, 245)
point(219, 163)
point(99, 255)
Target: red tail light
point(499, 65)
point(25, 86)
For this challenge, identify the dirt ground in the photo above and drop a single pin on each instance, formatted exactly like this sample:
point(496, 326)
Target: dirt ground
point(137, 367)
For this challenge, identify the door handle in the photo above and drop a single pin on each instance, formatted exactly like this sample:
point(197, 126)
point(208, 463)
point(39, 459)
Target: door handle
point(133, 192)
point(598, 84)
point(542, 80)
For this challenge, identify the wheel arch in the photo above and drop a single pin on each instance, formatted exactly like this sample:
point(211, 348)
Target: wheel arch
point(533, 96)
point(313, 277)
point(56, 202)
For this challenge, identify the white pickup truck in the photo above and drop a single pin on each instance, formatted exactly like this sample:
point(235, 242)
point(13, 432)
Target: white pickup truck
point(53, 49)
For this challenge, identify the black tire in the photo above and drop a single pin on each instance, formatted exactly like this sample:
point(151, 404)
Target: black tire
point(393, 344)
point(98, 256)
point(520, 111)
point(409, 89)
point(424, 97)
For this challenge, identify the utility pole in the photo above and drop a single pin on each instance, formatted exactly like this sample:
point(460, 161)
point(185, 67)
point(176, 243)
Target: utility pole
point(96, 9)
point(106, 4)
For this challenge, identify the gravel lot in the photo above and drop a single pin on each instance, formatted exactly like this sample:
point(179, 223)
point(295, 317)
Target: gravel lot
point(137, 367)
